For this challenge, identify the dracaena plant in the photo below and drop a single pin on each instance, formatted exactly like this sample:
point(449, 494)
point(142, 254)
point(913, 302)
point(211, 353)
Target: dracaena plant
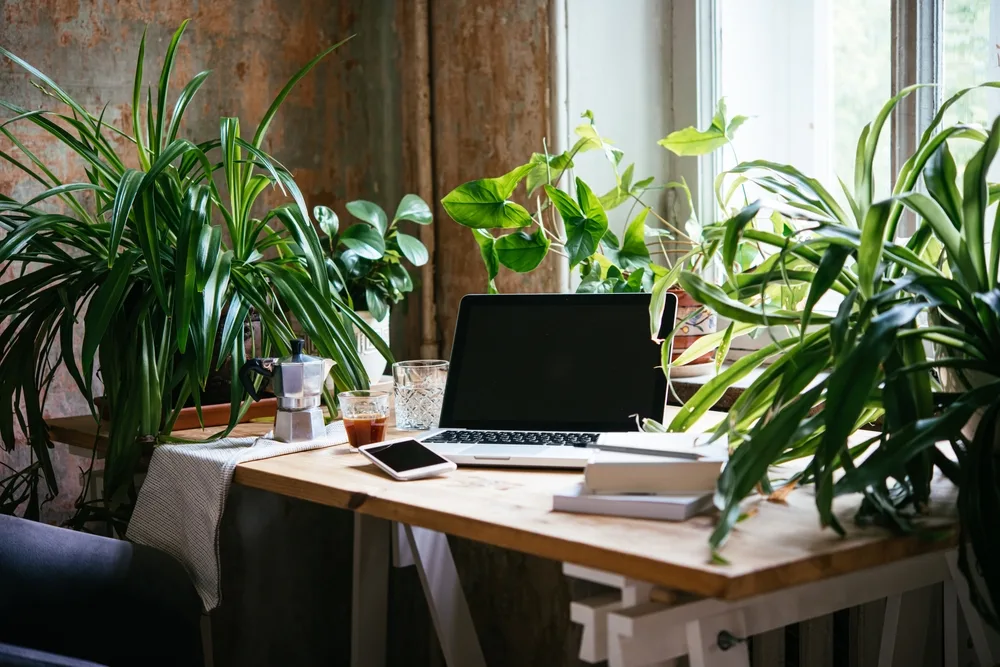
point(834, 374)
point(156, 263)
point(365, 261)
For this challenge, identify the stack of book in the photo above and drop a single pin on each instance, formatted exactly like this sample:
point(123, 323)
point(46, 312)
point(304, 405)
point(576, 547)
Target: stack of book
point(649, 476)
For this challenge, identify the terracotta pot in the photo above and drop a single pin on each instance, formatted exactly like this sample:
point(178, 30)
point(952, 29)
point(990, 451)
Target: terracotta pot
point(693, 329)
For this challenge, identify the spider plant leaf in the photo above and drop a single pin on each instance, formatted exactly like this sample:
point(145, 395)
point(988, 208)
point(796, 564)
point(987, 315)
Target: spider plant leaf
point(713, 297)
point(974, 205)
point(803, 184)
point(183, 100)
point(866, 191)
point(137, 105)
point(749, 463)
point(709, 393)
point(49, 83)
point(734, 227)
point(162, 90)
point(232, 328)
point(67, 347)
point(232, 161)
point(934, 214)
point(105, 303)
point(265, 122)
point(825, 277)
point(710, 342)
point(941, 177)
point(871, 246)
point(195, 219)
point(209, 245)
point(125, 196)
point(149, 242)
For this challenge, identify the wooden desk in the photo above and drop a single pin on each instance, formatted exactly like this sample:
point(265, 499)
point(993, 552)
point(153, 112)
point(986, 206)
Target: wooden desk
point(777, 557)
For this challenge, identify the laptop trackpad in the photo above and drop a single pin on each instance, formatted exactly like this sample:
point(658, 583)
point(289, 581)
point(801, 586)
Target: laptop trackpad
point(499, 451)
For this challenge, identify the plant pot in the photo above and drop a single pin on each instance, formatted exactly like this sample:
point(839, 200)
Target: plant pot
point(699, 325)
point(371, 358)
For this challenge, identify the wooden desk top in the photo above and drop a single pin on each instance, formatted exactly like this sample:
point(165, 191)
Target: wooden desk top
point(780, 546)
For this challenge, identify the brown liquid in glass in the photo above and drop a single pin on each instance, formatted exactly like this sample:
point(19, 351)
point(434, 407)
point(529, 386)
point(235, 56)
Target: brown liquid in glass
point(365, 429)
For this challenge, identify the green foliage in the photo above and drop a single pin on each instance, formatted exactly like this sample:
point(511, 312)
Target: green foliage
point(605, 262)
point(366, 259)
point(163, 266)
point(831, 376)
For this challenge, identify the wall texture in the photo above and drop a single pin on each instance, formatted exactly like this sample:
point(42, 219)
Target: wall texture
point(340, 132)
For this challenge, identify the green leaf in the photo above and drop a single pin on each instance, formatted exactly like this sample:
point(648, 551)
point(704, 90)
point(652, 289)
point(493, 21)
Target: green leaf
point(368, 212)
point(376, 303)
point(365, 240)
point(734, 228)
point(195, 218)
point(209, 244)
point(413, 209)
point(104, 305)
point(520, 252)
point(183, 100)
point(586, 223)
point(619, 194)
point(328, 220)
point(484, 204)
point(720, 354)
point(128, 188)
point(412, 249)
point(161, 92)
point(265, 122)
point(713, 297)
point(487, 248)
point(590, 139)
point(400, 278)
point(826, 275)
point(692, 141)
point(974, 204)
point(872, 240)
point(611, 240)
point(735, 124)
point(710, 342)
point(633, 253)
point(546, 172)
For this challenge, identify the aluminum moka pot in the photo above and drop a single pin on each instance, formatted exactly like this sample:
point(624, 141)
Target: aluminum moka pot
point(297, 381)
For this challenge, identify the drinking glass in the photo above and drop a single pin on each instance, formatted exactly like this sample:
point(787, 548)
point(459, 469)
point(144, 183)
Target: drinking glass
point(419, 393)
point(365, 415)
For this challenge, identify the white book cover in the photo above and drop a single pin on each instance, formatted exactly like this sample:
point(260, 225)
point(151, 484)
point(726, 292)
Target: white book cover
point(693, 446)
point(613, 472)
point(663, 507)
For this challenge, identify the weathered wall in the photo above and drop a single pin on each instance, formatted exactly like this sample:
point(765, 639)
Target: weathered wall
point(340, 132)
point(490, 81)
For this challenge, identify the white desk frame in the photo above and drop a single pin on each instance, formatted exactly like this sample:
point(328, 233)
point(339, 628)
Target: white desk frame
point(626, 628)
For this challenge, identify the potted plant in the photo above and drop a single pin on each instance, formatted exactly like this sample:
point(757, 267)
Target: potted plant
point(139, 257)
point(838, 373)
point(366, 265)
point(576, 228)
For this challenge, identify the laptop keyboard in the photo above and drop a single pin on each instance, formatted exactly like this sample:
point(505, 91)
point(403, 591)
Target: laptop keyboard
point(514, 438)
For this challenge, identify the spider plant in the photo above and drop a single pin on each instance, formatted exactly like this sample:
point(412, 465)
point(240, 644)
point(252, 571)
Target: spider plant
point(156, 262)
point(834, 374)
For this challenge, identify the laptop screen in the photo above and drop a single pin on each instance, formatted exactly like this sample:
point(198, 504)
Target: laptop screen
point(568, 362)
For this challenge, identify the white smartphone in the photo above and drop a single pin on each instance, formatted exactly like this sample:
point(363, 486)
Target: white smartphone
point(407, 459)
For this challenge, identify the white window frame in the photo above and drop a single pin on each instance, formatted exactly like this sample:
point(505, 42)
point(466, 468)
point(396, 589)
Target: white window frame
point(917, 33)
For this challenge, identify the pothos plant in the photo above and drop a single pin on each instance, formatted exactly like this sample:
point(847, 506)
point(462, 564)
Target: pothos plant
point(139, 257)
point(365, 260)
point(576, 227)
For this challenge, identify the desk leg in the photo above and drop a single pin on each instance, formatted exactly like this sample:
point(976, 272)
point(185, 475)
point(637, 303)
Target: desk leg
point(449, 609)
point(369, 591)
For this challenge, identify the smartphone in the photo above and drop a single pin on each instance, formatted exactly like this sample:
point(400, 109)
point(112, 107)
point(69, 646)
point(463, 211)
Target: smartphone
point(407, 459)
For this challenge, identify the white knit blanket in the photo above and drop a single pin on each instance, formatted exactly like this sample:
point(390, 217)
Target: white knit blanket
point(181, 501)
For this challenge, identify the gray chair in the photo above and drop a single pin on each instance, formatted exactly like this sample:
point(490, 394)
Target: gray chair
point(78, 599)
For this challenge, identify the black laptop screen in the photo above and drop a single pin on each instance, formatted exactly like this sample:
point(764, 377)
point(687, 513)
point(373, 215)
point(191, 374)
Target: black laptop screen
point(573, 362)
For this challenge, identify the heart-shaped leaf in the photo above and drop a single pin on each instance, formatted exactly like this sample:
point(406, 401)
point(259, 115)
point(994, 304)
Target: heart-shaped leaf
point(368, 212)
point(414, 209)
point(364, 240)
point(487, 248)
point(634, 254)
point(412, 249)
point(546, 170)
point(521, 252)
point(484, 204)
point(586, 223)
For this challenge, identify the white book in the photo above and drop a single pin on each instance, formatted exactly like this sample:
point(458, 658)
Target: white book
point(693, 446)
point(638, 506)
point(611, 472)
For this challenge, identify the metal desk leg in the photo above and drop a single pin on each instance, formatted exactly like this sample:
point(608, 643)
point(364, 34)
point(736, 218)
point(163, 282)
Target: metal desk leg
point(449, 610)
point(369, 591)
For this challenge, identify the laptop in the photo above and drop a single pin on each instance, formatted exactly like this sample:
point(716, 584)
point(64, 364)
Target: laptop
point(537, 380)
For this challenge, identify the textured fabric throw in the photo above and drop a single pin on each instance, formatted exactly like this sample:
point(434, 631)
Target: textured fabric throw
point(181, 501)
